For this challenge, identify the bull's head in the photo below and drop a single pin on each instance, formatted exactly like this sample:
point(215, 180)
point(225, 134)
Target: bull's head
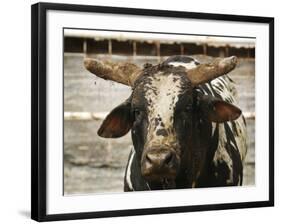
point(170, 121)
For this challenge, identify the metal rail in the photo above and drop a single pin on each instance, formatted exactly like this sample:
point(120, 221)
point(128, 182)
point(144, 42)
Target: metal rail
point(85, 116)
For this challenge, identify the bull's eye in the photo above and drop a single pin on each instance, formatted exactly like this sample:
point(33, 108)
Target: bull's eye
point(136, 112)
point(188, 108)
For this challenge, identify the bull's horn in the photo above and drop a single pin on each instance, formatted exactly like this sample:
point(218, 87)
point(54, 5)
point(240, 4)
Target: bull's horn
point(125, 73)
point(207, 72)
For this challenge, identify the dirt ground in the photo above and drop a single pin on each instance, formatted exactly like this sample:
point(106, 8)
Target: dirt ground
point(96, 165)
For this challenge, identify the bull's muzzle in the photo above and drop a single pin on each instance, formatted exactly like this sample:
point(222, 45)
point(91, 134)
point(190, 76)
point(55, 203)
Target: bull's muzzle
point(159, 163)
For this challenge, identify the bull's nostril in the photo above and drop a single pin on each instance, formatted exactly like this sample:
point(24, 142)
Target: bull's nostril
point(159, 160)
point(148, 159)
point(168, 158)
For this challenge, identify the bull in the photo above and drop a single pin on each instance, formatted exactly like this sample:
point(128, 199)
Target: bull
point(186, 128)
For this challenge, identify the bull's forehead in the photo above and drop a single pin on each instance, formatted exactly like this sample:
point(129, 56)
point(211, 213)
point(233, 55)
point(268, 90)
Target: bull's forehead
point(162, 93)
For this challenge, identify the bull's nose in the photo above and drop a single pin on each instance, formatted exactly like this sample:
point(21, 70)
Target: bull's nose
point(163, 159)
point(158, 164)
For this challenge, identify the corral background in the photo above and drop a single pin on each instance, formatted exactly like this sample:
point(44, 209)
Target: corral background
point(93, 164)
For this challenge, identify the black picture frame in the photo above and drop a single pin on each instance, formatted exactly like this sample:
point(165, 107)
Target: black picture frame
point(39, 108)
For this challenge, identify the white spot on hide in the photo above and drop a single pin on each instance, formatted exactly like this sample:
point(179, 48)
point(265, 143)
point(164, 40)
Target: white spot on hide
point(188, 66)
point(128, 173)
point(162, 94)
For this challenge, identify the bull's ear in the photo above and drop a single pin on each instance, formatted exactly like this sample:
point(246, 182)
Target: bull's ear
point(218, 110)
point(118, 122)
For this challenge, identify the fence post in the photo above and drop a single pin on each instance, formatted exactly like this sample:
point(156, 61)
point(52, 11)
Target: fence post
point(182, 49)
point(85, 47)
point(110, 47)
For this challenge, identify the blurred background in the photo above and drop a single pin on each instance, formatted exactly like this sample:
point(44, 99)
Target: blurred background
point(97, 165)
